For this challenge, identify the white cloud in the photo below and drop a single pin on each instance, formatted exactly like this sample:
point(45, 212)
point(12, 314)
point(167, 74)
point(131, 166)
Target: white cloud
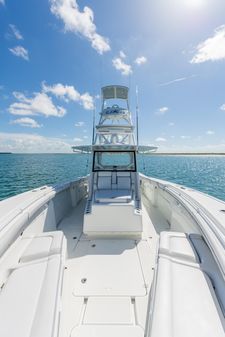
point(140, 60)
point(69, 93)
point(171, 124)
point(27, 122)
point(210, 132)
point(78, 124)
point(40, 104)
point(122, 55)
point(65, 92)
point(87, 101)
point(16, 32)
point(78, 140)
point(162, 111)
point(20, 52)
point(120, 65)
point(212, 49)
point(222, 107)
point(160, 139)
point(32, 143)
point(85, 137)
point(79, 22)
point(185, 137)
point(2, 2)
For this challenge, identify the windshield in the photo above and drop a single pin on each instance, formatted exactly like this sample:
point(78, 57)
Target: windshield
point(110, 161)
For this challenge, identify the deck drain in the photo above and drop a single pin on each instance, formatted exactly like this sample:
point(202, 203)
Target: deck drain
point(222, 210)
point(94, 245)
point(74, 237)
point(83, 280)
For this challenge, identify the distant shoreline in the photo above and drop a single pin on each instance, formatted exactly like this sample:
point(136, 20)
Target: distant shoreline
point(152, 154)
point(188, 154)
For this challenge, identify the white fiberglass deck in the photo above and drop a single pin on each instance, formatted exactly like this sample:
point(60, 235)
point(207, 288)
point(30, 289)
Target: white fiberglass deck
point(106, 281)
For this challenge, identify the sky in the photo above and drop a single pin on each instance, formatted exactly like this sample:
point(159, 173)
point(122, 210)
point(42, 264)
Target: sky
point(55, 55)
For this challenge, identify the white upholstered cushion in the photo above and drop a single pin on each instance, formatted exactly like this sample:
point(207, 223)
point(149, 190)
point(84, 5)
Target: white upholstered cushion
point(185, 303)
point(43, 245)
point(104, 182)
point(113, 196)
point(124, 183)
point(177, 245)
point(29, 301)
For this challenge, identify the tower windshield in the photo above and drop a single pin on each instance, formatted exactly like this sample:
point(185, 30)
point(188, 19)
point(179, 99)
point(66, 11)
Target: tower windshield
point(114, 160)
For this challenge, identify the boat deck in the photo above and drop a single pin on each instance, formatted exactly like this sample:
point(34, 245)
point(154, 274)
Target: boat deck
point(88, 286)
point(107, 280)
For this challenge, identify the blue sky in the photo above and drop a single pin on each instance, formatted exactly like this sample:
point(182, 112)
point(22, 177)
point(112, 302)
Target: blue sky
point(55, 55)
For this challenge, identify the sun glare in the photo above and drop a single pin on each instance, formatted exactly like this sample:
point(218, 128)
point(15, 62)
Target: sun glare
point(194, 3)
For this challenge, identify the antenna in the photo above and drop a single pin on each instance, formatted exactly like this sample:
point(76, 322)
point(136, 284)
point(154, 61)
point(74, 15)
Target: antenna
point(137, 113)
point(93, 129)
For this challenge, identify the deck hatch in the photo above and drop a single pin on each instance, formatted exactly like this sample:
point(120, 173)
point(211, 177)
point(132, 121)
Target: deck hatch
point(112, 268)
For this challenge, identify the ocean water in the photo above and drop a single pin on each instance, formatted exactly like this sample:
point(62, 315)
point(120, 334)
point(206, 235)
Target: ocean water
point(22, 172)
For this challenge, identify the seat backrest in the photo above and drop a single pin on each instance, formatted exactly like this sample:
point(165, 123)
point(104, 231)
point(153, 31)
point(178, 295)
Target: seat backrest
point(123, 180)
point(113, 180)
point(104, 180)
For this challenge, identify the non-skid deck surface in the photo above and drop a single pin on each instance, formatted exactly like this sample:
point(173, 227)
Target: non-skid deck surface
point(106, 281)
point(106, 288)
point(108, 268)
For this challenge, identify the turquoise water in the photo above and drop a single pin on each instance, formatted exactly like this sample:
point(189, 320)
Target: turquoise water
point(22, 172)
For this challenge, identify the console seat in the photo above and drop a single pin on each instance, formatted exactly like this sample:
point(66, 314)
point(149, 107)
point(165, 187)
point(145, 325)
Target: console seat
point(114, 205)
point(185, 299)
point(108, 196)
point(111, 187)
point(30, 297)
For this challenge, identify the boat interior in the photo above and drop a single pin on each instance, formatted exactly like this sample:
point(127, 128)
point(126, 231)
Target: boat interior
point(115, 253)
point(57, 280)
